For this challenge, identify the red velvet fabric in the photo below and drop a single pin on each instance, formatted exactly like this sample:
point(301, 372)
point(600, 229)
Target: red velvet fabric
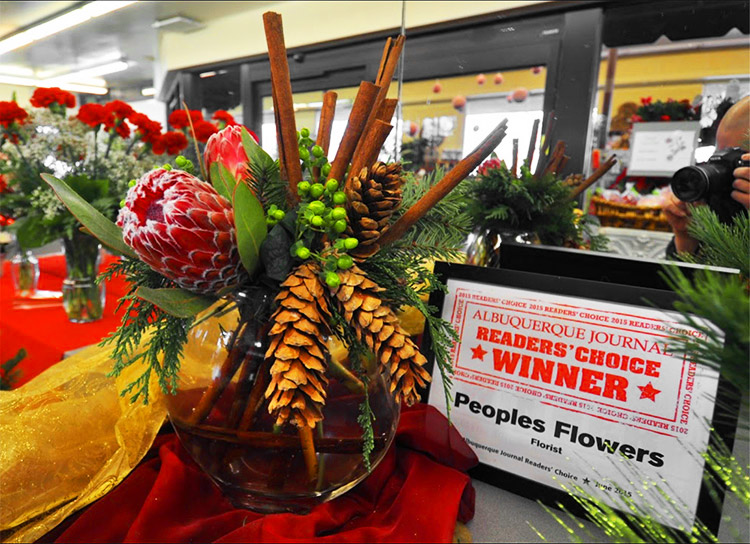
point(41, 326)
point(415, 494)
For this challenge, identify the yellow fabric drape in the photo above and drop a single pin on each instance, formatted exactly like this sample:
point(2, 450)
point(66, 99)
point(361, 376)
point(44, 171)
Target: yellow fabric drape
point(68, 438)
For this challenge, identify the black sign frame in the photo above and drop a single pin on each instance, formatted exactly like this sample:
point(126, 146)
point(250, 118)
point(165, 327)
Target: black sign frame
point(724, 420)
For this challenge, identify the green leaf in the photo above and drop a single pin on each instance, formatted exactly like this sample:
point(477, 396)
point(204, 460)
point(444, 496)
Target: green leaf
point(31, 232)
point(176, 302)
point(87, 188)
point(250, 223)
point(255, 153)
point(102, 228)
point(222, 180)
point(275, 253)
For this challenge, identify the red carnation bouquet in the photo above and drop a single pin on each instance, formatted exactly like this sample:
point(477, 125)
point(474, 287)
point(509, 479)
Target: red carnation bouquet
point(285, 280)
point(669, 110)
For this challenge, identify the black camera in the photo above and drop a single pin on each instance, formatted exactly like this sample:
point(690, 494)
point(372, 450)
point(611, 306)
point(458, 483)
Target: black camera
point(711, 182)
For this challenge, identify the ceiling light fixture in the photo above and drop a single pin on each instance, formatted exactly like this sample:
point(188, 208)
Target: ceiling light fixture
point(11, 70)
point(58, 24)
point(31, 82)
point(148, 91)
point(95, 71)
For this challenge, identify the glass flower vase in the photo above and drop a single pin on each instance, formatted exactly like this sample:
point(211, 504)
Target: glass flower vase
point(24, 269)
point(83, 298)
point(483, 246)
point(220, 414)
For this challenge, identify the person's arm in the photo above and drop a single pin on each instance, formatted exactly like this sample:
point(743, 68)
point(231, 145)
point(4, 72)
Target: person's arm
point(741, 184)
point(678, 216)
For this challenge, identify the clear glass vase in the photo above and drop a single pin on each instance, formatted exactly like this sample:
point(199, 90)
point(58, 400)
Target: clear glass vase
point(484, 245)
point(222, 418)
point(24, 269)
point(83, 299)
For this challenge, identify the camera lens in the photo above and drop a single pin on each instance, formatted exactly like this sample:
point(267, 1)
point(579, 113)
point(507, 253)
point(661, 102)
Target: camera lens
point(690, 183)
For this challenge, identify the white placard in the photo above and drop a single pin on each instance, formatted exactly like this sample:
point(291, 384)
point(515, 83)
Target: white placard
point(660, 149)
point(567, 391)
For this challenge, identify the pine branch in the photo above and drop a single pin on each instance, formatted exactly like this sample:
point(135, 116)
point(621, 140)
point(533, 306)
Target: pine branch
point(722, 245)
point(163, 335)
point(266, 183)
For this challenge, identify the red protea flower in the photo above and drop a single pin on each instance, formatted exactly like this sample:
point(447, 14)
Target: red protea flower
point(178, 119)
point(225, 147)
point(223, 119)
point(93, 115)
point(44, 97)
point(11, 113)
point(204, 130)
point(172, 142)
point(183, 229)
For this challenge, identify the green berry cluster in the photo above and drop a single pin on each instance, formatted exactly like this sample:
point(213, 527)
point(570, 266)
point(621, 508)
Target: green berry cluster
point(312, 155)
point(274, 215)
point(184, 163)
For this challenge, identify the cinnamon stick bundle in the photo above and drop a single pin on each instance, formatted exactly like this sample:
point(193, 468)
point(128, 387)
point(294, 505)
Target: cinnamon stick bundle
point(361, 109)
point(283, 102)
point(445, 185)
point(595, 176)
point(327, 113)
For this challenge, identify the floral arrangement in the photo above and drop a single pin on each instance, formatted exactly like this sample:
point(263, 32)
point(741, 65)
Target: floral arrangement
point(97, 151)
point(303, 250)
point(544, 203)
point(671, 110)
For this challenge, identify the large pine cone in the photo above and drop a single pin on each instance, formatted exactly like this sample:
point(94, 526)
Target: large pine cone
point(297, 349)
point(372, 198)
point(182, 228)
point(378, 327)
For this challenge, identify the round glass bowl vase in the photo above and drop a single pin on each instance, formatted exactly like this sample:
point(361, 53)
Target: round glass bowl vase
point(220, 415)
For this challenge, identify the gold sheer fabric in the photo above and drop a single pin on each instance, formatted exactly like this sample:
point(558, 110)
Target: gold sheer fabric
point(67, 439)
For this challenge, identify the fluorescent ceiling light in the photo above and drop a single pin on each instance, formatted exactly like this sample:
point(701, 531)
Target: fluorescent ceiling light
point(148, 91)
point(96, 71)
point(31, 82)
point(58, 24)
point(11, 70)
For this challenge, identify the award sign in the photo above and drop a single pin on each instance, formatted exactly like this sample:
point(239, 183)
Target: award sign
point(572, 384)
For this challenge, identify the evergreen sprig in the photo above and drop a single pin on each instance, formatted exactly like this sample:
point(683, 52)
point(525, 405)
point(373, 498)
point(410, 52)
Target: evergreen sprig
point(266, 183)
point(721, 245)
point(445, 227)
point(164, 335)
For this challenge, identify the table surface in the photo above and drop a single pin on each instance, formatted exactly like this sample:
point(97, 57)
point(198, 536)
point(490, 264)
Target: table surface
point(501, 516)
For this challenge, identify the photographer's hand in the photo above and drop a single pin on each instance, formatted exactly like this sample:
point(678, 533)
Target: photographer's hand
point(678, 216)
point(741, 184)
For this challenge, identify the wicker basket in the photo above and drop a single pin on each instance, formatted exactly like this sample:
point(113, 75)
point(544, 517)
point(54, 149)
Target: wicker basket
point(628, 216)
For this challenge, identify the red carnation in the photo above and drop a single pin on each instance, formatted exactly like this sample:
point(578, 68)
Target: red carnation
point(119, 109)
point(10, 113)
point(665, 118)
point(491, 164)
point(635, 118)
point(172, 142)
point(3, 183)
point(147, 129)
point(646, 101)
point(204, 130)
point(44, 97)
point(92, 115)
point(182, 228)
point(223, 119)
point(178, 119)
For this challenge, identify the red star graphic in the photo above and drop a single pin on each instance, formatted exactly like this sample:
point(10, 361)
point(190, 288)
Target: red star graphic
point(478, 353)
point(648, 391)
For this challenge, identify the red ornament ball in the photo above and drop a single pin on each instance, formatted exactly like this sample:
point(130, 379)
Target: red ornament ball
point(499, 78)
point(459, 102)
point(436, 88)
point(520, 94)
point(413, 128)
point(481, 79)
point(536, 70)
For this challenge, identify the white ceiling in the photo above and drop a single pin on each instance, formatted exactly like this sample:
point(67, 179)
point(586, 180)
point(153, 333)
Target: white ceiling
point(126, 33)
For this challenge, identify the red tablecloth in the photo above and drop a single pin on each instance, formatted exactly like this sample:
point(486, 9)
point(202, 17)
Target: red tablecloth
point(415, 494)
point(41, 327)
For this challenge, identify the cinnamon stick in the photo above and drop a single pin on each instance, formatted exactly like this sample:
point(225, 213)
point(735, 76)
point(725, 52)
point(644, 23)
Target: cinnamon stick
point(532, 143)
point(369, 152)
point(384, 58)
point(545, 143)
point(593, 178)
point(554, 159)
point(388, 109)
point(281, 89)
point(256, 395)
point(323, 139)
point(361, 109)
point(445, 185)
point(514, 168)
point(308, 451)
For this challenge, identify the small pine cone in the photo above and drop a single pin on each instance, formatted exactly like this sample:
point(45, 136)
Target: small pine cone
point(373, 196)
point(297, 390)
point(378, 327)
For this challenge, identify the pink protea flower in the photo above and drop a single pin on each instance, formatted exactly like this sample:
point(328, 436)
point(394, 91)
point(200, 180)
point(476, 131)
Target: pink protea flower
point(226, 148)
point(182, 228)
